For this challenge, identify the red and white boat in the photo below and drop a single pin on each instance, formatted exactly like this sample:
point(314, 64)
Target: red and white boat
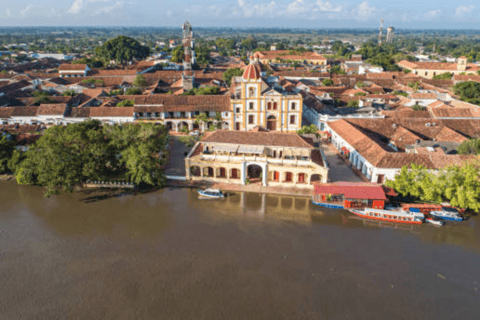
point(397, 216)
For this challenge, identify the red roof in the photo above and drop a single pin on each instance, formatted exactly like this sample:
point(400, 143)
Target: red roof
point(251, 72)
point(352, 190)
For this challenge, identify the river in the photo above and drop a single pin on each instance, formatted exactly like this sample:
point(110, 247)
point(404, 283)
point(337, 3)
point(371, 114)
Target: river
point(169, 255)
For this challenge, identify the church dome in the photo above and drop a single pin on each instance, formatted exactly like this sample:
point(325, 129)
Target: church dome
point(252, 72)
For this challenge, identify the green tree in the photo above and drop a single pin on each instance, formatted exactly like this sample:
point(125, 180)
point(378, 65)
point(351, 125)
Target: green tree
point(66, 156)
point(178, 54)
point(122, 49)
point(133, 91)
point(470, 147)
point(230, 73)
point(468, 91)
point(327, 82)
point(311, 129)
point(208, 90)
point(352, 104)
point(126, 103)
point(444, 76)
point(140, 81)
point(7, 147)
point(69, 93)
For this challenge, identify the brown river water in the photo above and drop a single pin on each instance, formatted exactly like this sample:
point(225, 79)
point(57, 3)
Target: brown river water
point(169, 255)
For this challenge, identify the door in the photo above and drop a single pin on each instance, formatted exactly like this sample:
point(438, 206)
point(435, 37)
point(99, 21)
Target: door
point(272, 124)
point(237, 126)
point(222, 172)
point(380, 178)
point(276, 176)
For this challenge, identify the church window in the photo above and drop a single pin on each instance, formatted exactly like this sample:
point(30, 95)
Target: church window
point(274, 106)
point(251, 119)
point(292, 119)
point(269, 106)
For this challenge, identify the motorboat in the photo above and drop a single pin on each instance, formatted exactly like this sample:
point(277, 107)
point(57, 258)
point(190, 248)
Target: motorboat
point(397, 216)
point(447, 213)
point(435, 221)
point(211, 193)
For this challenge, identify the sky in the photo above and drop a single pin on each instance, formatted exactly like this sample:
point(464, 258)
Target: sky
point(425, 14)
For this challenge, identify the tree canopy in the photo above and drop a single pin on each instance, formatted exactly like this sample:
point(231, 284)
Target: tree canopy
point(458, 185)
point(202, 91)
point(470, 147)
point(468, 91)
point(444, 76)
point(230, 73)
point(327, 82)
point(178, 54)
point(66, 156)
point(122, 49)
point(7, 147)
point(311, 129)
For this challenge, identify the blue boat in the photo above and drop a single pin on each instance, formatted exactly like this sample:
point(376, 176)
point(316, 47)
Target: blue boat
point(448, 213)
point(329, 205)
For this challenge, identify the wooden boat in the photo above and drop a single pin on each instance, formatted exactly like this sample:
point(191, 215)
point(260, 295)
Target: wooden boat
point(396, 216)
point(211, 193)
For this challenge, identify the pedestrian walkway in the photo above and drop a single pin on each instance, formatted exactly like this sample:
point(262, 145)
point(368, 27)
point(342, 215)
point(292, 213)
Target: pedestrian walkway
point(339, 170)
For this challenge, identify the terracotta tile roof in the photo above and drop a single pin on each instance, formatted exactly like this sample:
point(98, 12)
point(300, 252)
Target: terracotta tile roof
point(352, 190)
point(6, 112)
point(185, 103)
point(252, 72)
point(407, 64)
point(51, 109)
point(446, 66)
point(466, 77)
point(95, 73)
point(403, 137)
point(447, 134)
point(409, 113)
point(423, 96)
point(317, 157)
point(91, 112)
point(273, 139)
point(285, 55)
point(433, 160)
point(353, 92)
point(15, 86)
point(72, 67)
point(24, 111)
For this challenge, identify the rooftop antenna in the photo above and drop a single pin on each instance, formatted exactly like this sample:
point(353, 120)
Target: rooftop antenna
point(380, 35)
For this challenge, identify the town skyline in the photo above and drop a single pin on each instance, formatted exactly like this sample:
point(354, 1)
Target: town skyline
point(242, 13)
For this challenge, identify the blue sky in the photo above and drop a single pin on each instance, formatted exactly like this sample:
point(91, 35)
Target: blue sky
point(242, 13)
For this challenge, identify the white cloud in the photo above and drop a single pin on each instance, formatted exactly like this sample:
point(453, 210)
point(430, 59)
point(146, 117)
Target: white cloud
point(463, 10)
point(326, 6)
point(364, 11)
point(248, 10)
point(78, 5)
point(25, 11)
point(109, 9)
point(298, 7)
point(433, 13)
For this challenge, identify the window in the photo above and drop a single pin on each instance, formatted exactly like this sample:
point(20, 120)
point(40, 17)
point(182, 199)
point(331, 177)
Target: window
point(274, 106)
point(269, 106)
point(294, 106)
point(237, 110)
point(250, 106)
point(292, 119)
point(251, 92)
point(251, 119)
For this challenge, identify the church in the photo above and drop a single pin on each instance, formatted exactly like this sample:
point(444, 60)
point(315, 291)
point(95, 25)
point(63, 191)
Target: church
point(260, 101)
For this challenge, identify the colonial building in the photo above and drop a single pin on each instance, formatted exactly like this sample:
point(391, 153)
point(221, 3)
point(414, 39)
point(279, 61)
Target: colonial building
point(285, 55)
point(73, 70)
point(379, 148)
point(430, 69)
point(256, 103)
point(266, 158)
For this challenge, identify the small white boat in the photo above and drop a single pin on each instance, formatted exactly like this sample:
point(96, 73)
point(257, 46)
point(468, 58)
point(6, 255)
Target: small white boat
point(437, 223)
point(211, 193)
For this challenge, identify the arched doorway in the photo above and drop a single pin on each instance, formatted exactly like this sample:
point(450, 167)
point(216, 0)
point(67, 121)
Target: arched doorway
point(208, 172)
point(169, 126)
point(182, 126)
point(222, 173)
point(272, 123)
point(254, 173)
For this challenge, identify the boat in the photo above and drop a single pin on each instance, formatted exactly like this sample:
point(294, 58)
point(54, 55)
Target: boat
point(397, 216)
point(211, 193)
point(447, 213)
point(434, 221)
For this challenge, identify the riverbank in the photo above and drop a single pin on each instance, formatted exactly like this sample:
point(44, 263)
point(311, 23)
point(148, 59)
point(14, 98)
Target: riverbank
point(255, 188)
